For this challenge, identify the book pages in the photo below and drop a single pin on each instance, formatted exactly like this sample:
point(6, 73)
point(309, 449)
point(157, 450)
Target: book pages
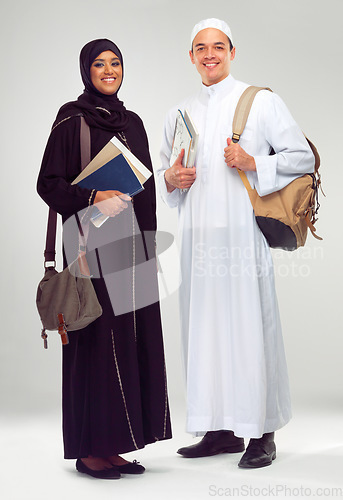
point(110, 151)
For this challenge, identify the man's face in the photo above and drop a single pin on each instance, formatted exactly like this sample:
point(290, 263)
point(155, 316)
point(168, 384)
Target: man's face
point(211, 55)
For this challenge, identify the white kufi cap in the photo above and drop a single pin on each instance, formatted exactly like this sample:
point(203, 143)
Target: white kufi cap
point(211, 23)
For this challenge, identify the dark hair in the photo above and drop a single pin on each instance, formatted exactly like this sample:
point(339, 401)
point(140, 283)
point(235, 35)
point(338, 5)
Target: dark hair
point(231, 46)
point(230, 43)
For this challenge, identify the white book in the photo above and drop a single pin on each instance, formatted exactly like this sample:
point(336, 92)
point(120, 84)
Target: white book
point(185, 137)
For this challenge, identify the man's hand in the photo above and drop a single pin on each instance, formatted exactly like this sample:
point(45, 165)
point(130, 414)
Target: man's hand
point(111, 203)
point(178, 176)
point(235, 156)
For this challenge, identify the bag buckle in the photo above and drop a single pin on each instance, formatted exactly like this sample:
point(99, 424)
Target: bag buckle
point(49, 263)
point(62, 329)
point(235, 137)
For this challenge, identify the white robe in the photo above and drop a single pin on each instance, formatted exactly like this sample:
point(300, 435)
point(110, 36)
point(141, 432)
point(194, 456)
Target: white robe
point(236, 371)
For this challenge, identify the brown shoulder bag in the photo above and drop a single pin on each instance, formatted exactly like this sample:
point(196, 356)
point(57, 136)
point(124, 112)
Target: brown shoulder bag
point(67, 300)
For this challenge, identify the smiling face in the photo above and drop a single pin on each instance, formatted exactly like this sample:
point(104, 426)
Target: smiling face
point(211, 55)
point(106, 73)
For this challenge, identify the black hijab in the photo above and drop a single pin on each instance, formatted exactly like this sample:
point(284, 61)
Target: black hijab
point(102, 111)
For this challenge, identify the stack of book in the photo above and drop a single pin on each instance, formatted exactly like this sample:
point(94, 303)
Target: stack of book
point(113, 168)
point(185, 137)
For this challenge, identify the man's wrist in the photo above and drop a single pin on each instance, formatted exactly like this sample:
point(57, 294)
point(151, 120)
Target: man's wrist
point(170, 187)
point(253, 164)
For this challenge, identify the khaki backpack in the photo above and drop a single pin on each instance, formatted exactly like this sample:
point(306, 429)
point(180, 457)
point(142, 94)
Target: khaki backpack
point(284, 216)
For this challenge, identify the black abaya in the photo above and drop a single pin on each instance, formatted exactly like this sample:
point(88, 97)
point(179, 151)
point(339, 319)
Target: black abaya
point(114, 382)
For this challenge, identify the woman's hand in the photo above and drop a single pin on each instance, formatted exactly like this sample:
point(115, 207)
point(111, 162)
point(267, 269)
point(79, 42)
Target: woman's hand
point(111, 203)
point(178, 176)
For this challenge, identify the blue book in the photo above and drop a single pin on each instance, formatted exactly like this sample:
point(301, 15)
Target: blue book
point(113, 168)
point(113, 175)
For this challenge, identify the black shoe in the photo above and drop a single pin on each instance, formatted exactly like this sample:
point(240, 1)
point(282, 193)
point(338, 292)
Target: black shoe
point(111, 473)
point(260, 452)
point(130, 468)
point(214, 443)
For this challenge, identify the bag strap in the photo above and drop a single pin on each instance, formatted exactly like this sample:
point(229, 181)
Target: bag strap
point(240, 119)
point(85, 143)
point(243, 110)
point(85, 149)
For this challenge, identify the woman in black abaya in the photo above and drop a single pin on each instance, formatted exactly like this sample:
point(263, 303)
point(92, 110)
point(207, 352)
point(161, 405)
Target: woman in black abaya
point(114, 384)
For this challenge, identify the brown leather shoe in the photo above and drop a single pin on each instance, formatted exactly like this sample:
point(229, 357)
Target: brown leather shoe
point(214, 443)
point(260, 452)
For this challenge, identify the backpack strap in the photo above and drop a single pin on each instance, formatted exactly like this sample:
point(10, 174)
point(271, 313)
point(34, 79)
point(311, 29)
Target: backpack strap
point(240, 119)
point(243, 109)
point(85, 149)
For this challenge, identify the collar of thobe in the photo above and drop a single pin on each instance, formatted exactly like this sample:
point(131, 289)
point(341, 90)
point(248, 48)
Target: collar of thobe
point(222, 88)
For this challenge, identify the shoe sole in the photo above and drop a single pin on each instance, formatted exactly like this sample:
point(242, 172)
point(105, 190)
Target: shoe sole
point(129, 471)
point(98, 477)
point(247, 466)
point(232, 449)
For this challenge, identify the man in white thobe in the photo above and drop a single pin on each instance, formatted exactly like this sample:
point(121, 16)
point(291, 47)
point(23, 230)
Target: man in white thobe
point(236, 374)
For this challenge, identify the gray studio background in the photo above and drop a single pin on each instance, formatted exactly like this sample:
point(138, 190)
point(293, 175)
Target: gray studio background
point(294, 47)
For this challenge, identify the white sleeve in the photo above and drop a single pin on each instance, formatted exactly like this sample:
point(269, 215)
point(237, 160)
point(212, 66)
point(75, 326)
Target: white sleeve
point(171, 199)
point(293, 156)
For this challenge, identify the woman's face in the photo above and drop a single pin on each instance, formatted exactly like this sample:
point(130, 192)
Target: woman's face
point(106, 73)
